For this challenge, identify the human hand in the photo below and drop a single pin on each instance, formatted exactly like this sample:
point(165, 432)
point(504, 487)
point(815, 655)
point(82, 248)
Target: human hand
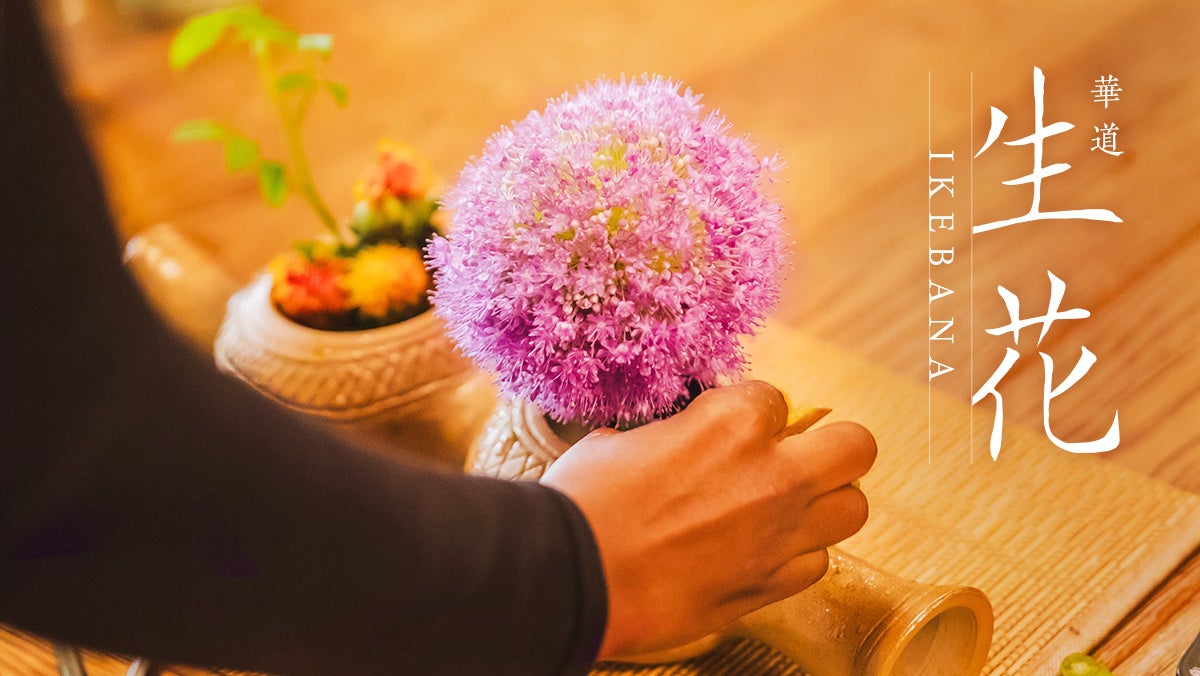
point(707, 516)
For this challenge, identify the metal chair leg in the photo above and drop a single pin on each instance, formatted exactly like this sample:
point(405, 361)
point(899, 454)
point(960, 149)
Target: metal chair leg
point(143, 667)
point(70, 661)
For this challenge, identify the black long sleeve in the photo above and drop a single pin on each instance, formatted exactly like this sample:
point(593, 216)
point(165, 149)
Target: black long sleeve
point(149, 505)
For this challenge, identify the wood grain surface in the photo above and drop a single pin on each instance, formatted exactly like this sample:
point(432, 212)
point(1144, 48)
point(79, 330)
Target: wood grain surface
point(854, 96)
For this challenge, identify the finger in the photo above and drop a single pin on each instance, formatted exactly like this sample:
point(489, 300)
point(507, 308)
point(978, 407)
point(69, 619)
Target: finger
point(796, 575)
point(829, 457)
point(754, 406)
point(830, 518)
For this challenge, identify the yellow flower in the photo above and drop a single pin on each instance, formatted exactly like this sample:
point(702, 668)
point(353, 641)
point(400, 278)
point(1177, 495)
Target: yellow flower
point(386, 279)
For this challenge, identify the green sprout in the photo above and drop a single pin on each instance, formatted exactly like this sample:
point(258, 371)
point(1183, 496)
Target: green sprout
point(290, 66)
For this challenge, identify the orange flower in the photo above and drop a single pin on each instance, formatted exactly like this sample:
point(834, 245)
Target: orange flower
point(311, 291)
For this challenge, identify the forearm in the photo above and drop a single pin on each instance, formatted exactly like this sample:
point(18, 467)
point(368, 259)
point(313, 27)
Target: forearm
point(149, 505)
point(308, 559)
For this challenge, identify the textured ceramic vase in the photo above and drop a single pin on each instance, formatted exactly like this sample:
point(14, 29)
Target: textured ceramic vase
point(402, 385)
point(181, 281)
point(856, 621)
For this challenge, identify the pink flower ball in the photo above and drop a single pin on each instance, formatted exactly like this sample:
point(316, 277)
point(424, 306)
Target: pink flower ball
point(605, 255)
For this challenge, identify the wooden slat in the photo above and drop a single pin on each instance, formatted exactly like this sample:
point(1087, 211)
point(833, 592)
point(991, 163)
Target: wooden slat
point(1174, 613)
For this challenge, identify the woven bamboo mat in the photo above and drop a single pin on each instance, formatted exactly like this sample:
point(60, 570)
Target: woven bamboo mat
point(1064, 545)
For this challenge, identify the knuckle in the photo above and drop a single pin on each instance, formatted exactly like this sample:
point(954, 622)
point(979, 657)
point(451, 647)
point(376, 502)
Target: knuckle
point(770, 392)
point(765, 391)
point(763, 405)
point(753, 408)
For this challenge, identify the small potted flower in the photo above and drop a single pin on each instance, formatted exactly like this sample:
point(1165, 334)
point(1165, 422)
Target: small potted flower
point(338, 327)
point(380, 277)
point(605, 257)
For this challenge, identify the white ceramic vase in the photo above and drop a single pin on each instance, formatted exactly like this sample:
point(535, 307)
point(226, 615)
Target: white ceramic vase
point(402, 385)
point(856, 621)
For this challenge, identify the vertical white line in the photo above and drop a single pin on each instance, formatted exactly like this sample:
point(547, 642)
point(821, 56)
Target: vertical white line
point(928, 270)
point(971, 260)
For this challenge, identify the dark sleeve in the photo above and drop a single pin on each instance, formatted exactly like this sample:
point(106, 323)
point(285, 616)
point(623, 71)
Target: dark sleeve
point(150, 506)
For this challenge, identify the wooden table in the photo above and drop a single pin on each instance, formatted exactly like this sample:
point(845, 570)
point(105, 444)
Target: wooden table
point(854, 96)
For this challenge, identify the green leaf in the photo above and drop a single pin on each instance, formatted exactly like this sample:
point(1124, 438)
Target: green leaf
point(240, 152)
point(295, 80)
point(252, 26)
point(322, 43)
point(197, 36)
point(307, 248)
point(272, 181)
point(338, 91)
point(199, 130)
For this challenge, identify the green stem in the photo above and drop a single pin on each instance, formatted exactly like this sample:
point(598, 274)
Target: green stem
point(302, 174)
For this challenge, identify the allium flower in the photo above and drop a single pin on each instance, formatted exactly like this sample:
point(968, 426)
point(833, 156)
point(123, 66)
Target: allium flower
point(607, 253)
